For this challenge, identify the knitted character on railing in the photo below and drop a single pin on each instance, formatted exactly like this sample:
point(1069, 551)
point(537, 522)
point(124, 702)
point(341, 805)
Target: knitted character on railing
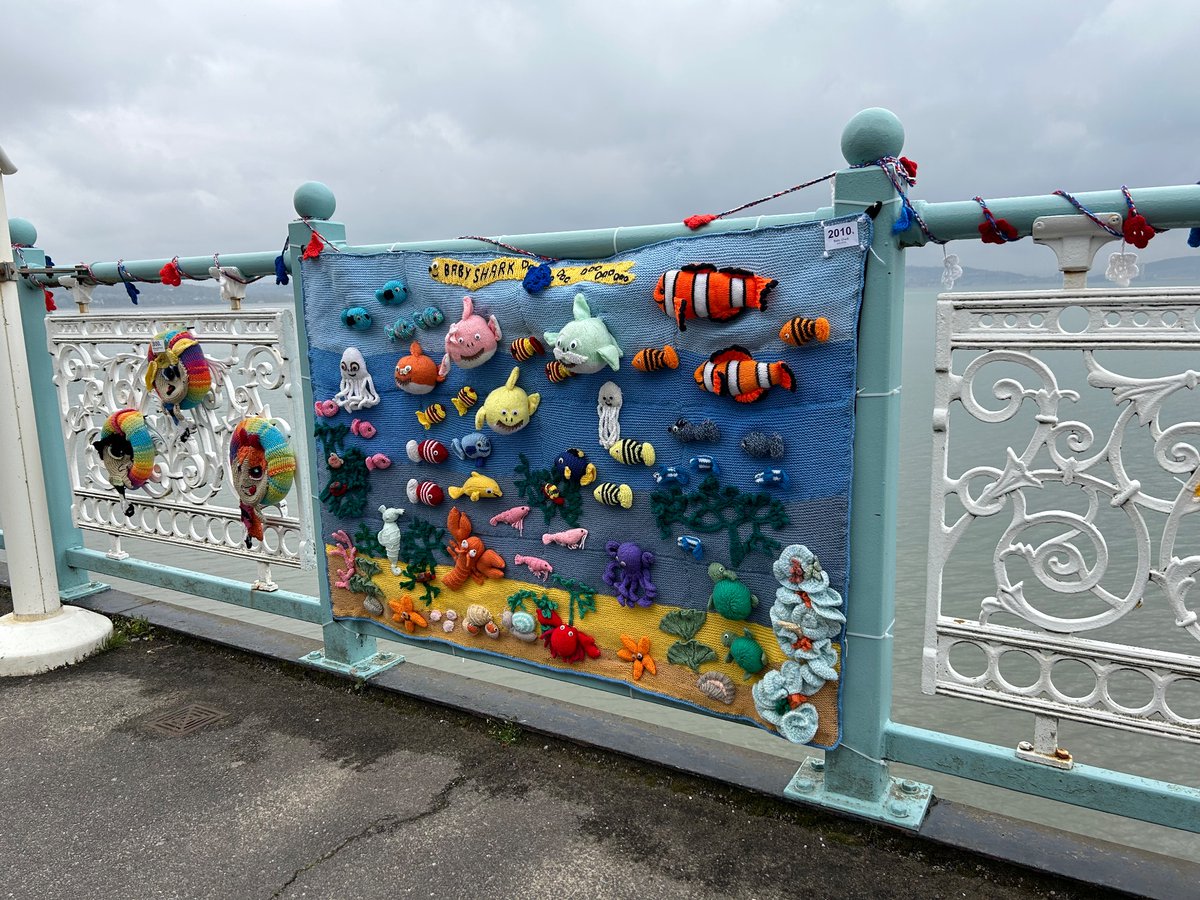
point(263, 466)
point(179, 373)
point(126, 449)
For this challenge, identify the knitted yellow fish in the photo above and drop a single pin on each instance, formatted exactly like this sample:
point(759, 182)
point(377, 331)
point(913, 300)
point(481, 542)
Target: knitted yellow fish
point(476, 487)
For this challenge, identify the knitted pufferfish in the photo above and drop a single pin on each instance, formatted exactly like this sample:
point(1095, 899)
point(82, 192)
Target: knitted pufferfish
point(178, 372)
point(126, 449)
point(263, 466)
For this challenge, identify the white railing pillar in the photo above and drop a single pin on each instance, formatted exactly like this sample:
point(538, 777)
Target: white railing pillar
point(40, 633)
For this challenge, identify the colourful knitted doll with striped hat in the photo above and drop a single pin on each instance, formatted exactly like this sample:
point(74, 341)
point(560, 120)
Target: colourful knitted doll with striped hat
point(263, 466)
point(179, 372)
point(126, 449)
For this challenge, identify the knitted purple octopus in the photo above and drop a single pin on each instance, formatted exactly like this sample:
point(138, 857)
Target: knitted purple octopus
point(628, 573)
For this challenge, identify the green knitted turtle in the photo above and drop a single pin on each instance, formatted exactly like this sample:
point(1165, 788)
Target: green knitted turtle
point(730, 597)
point(745, 651)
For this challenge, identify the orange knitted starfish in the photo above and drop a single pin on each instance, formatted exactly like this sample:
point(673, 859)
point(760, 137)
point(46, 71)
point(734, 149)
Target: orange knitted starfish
point(637, 652)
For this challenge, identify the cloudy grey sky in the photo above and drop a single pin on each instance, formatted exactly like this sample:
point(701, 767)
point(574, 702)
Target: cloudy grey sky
point(185, 127)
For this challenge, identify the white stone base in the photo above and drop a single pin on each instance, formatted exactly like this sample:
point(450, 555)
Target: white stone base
point(27, 648)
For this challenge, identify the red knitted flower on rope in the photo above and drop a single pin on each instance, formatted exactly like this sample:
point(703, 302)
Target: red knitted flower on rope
point(171, 274)
point(1000, 233)
point(313, 248)
point(1138, 231)
point(699, 221)
point(910, 169)
point(48, 297)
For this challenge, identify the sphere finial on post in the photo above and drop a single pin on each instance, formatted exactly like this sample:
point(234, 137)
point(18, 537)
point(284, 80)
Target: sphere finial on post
point(871, 135)
point(22, 233)
point(314, 200)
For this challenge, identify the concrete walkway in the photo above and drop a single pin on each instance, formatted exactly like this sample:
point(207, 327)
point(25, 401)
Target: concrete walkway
point(307, 787)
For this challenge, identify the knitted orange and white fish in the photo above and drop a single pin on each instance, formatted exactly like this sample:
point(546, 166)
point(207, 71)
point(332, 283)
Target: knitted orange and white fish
point(702, 291)
point(735, 373)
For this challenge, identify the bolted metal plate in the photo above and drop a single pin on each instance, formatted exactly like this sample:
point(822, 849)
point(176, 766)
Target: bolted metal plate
point(186, 719)
point(363, 669)
point(903, 804)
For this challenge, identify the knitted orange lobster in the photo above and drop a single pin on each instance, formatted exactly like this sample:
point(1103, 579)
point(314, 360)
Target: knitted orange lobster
point(471, 558)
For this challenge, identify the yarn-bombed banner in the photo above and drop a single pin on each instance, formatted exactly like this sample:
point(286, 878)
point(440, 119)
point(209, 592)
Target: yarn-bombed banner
point(643, 482)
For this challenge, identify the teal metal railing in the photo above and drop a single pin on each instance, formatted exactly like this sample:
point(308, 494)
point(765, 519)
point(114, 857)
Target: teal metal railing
point(856, 776)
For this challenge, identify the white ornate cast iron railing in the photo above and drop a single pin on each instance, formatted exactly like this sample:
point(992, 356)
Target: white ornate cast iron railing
point(1054, 582)
point(99, 365)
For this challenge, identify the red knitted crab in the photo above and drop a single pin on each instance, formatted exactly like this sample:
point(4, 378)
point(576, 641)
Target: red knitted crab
point(565, 641)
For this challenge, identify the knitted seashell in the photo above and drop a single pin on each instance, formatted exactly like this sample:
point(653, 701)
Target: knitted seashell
point(373, 606)
point(717, 685)
point(477, 615)
point(522, 625)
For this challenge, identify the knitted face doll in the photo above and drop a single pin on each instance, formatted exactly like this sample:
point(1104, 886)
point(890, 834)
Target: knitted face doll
point(126, 449)
point(263, 467)
point(178, 371)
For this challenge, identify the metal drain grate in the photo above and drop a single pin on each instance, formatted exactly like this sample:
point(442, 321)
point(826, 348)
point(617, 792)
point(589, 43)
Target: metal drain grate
point(186, 719)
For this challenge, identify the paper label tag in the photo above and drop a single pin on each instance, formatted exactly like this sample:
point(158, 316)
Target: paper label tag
point(844, 234)
point(158, 345)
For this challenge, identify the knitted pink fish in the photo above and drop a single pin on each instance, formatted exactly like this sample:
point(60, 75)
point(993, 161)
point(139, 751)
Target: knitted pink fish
point(471, 341)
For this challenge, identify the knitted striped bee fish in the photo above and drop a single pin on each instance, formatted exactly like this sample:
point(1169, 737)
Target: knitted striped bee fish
point(735, 373)
point(702, 291)
point(557, 372)
point(526, 348)
point(652, 359)
point(431, 415)
point(464, 399)
point(631, 452)
point(799, 331)
point(614, 494)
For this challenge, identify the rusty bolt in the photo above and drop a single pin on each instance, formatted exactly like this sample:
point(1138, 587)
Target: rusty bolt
point(1062, 753)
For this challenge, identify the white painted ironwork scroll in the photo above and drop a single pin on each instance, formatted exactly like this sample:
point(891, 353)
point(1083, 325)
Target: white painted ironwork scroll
point(100, 362)
point(1097, 525)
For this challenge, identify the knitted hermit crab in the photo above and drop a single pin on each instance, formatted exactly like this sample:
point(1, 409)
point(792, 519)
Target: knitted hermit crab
point(263, 466)
point(126, 449)
point(179, 373)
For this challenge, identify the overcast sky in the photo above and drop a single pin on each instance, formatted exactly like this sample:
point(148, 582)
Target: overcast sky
point(184, 128)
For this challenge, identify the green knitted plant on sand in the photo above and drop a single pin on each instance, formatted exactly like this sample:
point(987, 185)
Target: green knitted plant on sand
point(418, 544)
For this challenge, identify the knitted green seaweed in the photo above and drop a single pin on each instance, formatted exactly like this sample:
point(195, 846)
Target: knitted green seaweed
point(542, 601)
point(684, 624)
point(530, 482)
point(345, 494)
point(366, 541)
point(713, 508)
point(417, 547)
point(582, 597)
point(362, 581)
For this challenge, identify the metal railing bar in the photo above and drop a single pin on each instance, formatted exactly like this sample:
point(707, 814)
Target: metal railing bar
point(1131, 796)
point(212, 587)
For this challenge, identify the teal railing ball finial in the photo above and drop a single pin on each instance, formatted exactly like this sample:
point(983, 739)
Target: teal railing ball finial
point(871, 135)
point(314, 200)
point(22, 232)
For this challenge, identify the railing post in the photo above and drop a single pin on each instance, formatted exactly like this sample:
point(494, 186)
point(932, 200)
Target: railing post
point(40, 633)
point(73, 583)
point(855, 776)
point(345, 650)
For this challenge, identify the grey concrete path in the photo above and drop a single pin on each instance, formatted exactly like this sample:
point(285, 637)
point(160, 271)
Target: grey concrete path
point(310, 788)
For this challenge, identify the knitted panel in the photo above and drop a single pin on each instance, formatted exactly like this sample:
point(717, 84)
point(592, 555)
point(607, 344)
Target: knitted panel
point(741, 503)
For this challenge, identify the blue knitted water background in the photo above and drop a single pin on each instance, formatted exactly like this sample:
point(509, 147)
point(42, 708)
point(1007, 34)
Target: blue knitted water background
point(816, 421)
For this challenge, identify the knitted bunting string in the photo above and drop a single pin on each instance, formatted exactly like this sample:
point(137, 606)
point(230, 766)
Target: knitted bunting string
point(993, 230)
point(1136, 230)
point(699, 221)
point(1091, 215)
point(509, 247)
point(314, 247)
point(48, 297)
